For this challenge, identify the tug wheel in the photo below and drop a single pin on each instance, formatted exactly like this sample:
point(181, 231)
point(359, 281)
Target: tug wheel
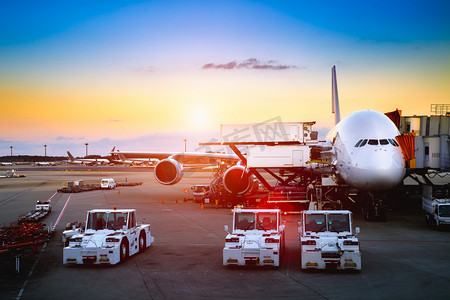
point(123, 250)
point(142, 242)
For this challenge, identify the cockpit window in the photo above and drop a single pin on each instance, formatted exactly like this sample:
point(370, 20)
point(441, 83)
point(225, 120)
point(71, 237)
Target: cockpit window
point(374, 142)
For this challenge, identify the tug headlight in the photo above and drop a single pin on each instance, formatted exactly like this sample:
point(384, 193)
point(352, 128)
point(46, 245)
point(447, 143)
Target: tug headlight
point(350, 243)
point(112, 240)
point(232, 240)
point(272, 240)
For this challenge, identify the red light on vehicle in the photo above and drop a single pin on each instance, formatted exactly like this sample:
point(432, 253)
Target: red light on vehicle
point(232, 240)
point(309, 242)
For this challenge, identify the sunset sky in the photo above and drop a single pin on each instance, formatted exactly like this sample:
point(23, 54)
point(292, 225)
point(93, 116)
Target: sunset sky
point(144, 75)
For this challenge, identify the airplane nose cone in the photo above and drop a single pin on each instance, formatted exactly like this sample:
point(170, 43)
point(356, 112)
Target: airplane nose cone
point(379, 170)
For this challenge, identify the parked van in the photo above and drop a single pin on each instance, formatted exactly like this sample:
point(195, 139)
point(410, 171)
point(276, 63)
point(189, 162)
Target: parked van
point(108, 183)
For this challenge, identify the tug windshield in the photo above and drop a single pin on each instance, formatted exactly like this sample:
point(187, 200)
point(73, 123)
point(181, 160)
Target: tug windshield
point(444, 211)
point(267, 221)
point(244, 221)
point(315, 223)
point(264, 221)
point(338, 222)
point(104, 220)
point(327, 222)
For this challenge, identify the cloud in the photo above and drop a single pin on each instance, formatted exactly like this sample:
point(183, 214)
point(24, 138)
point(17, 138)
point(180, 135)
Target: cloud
point(251, 63)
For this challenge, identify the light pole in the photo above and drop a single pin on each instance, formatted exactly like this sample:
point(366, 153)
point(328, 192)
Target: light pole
point(11, 149)
point(45, 152)
point(86, 149)
point(185, 148)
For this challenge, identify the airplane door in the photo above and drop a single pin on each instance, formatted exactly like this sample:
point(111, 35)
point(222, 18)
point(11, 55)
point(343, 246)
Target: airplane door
point(297, 158)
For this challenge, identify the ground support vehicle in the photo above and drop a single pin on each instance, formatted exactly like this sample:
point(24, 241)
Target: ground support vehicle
point(257, 238)
point(436, 205)
point(110, 236)
point(201, 193)
point(108, 183)
point(327, 240)
point(42, 209)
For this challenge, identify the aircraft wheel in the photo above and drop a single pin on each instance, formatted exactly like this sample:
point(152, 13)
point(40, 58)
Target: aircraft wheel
point(229, 204)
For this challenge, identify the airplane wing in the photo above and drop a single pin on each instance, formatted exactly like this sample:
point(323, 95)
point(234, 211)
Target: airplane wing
point(185, 158)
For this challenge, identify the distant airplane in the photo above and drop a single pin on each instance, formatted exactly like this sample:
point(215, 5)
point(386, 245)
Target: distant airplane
point(43, 163)
point(135, 161)
point(6, 163)
point(87, 161)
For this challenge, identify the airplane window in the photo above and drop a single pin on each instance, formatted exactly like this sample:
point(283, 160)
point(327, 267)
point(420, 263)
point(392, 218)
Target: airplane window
point(359, 142)
point(395, 143)
point(373, 142)
point(363, 143)
point(384, 142)
point(391, 141)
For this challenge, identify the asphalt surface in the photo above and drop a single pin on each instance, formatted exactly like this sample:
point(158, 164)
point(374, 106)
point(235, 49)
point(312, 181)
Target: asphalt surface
point(401, 258)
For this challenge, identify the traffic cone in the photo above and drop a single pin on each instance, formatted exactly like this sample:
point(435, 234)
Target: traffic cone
point(118, 191)
point(176, 201)
point(201, 207)
point(162, 201)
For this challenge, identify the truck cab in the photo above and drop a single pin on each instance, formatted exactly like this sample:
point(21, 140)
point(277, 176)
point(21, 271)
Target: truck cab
point(110, 236)
point(201, 193)
point(257, 238)
point(436, 205)
point(327, 240)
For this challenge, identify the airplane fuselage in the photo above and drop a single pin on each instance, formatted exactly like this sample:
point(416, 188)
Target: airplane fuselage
point(366, 155)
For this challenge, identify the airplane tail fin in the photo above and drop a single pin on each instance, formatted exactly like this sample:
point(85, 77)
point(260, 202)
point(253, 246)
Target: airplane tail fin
point(70, 156)
point(335, 98)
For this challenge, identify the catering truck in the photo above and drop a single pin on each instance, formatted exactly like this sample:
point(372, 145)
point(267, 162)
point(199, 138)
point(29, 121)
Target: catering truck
point(327, 240)
point(257, 238)
point(436, 205)
point(110, 236)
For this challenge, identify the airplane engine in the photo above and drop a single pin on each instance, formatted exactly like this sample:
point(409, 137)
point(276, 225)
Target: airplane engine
point(168, 171)
point(237, 180)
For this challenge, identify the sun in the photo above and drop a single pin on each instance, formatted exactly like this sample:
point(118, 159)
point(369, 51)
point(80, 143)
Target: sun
point(199, 117)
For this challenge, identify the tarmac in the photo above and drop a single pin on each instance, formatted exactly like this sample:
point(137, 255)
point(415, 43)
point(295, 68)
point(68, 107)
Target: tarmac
point(402, 258)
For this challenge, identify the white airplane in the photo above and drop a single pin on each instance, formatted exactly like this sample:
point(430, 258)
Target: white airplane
point(6, 163)
point(366, 154)
point(363, 149)
point(43, 163)
point(86, 161)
